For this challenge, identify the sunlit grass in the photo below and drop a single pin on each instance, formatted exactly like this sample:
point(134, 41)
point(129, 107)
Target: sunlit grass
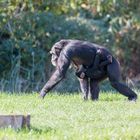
point(69, 117)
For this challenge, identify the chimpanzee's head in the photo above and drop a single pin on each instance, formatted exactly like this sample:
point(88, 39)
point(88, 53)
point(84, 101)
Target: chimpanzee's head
point(56, 50)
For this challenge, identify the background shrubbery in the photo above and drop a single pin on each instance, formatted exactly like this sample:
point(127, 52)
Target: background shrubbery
point(28, 29)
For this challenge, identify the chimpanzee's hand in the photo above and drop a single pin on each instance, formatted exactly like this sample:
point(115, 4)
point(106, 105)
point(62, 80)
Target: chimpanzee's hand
point(42, 94)
point(82, 75)
point(77, 73)
point(109, 57)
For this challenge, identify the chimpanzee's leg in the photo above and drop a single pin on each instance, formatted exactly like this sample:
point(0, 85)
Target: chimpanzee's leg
point(84, 87)
point(94, 90)
point(113, 71)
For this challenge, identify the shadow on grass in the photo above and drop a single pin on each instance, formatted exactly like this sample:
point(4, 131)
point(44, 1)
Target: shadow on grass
point(111, 97)
point(35, 130)
point(44, 130)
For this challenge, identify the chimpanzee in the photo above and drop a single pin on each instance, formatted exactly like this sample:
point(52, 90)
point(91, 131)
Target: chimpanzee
point(97, 68)
point(83, 53)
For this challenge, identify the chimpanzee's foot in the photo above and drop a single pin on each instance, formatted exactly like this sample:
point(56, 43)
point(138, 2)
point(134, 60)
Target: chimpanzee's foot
point(89, 97)
point(85, 97)
point(134, 98)
point(92, 98)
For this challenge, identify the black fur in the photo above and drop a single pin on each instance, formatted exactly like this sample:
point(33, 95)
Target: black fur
point(84, 53)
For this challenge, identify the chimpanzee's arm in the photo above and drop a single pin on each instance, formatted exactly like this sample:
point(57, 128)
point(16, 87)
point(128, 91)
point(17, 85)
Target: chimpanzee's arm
point(96, 60)
point(80, 70)
point(61, 69)
point(95, 65)
point(106, 62)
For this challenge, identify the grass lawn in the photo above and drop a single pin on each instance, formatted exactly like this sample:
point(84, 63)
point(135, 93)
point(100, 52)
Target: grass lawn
point(59, 117)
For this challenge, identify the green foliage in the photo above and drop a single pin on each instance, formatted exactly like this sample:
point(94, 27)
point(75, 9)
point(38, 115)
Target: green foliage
point(69, 117)
point(34, 26)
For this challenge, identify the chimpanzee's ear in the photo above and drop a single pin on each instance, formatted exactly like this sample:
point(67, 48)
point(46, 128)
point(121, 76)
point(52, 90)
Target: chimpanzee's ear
point(58, 47)
point(57, 51)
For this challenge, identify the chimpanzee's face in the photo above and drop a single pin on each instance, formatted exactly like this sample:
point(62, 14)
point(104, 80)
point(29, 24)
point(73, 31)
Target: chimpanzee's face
point(54, 59)
point(55, 52)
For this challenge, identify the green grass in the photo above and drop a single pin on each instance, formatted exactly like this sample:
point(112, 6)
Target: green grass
point(59, 117)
